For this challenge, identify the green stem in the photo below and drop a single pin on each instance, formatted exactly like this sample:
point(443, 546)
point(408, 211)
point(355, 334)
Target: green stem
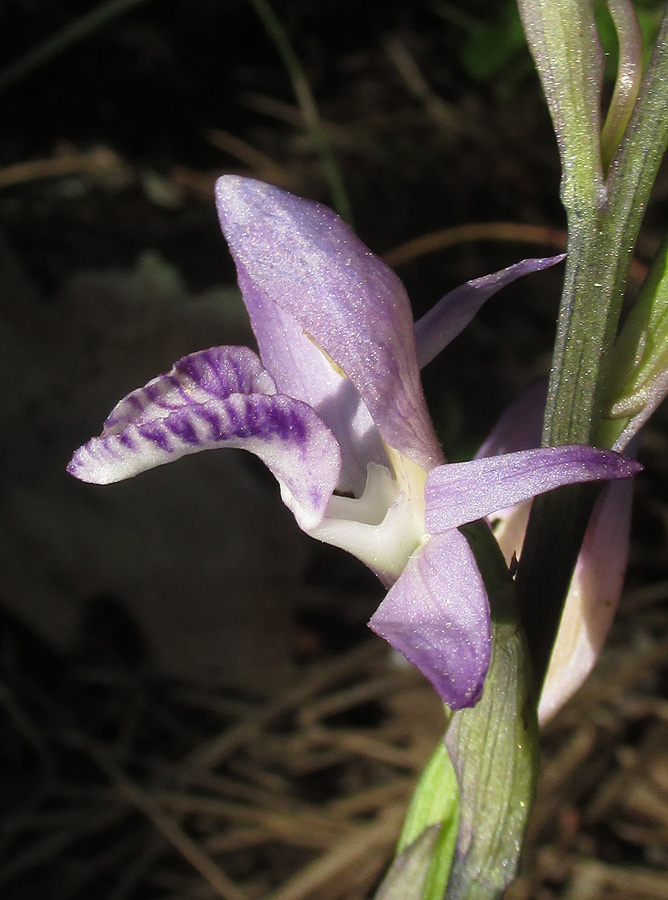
point(601, 242)
point(494, 745)
point(482, 787)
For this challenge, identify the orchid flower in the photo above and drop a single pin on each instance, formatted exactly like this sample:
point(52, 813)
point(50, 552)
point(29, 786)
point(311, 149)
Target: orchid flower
point(334, 407)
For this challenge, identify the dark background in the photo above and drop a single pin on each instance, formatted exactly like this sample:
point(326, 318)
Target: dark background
point(118, 602)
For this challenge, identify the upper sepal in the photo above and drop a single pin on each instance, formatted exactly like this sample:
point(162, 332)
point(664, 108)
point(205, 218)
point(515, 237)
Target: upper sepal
point(300, 258)
point(221, 397)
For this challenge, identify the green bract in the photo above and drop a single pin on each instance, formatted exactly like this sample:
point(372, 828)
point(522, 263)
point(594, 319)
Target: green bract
point(639, 366)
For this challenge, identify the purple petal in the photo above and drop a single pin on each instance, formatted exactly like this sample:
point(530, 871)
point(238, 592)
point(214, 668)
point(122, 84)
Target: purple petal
point(463, 492)
point(450, 316)
point(437, 615)
point(218, 398)
point(592, 598)
point(520, 425)
point(300, 257)
point(213, 374)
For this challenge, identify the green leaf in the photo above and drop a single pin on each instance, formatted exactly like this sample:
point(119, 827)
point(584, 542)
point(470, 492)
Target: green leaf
point(407, 876)
point(424, 853)
point(435, 803)
point(435, 799)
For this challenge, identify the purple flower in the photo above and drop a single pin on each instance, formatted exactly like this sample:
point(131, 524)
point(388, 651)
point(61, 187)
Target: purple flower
point(334, 407)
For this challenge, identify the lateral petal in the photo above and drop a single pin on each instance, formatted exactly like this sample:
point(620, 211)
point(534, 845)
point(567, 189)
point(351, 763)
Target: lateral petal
point(437, 615)
point(307, 261)
point(450, 316)
point(221, 397)
point(463, 492)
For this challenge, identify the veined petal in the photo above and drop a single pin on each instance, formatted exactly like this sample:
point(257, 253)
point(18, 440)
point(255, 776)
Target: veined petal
point(213, 374)
point(463, 492)
point(301, 257)
point(450, 316)
point(437, 615)
point(221, 397)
